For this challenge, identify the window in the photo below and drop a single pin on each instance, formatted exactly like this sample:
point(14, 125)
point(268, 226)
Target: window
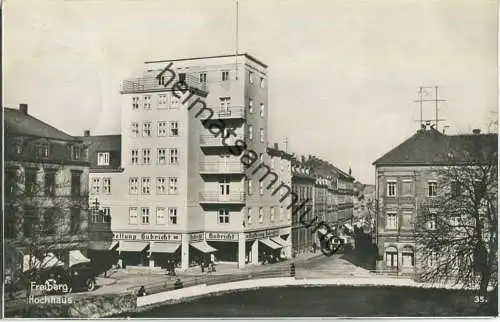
point(135, 103)
point(96, 182)
point(29, 223)
point(174, 128)
point(250, 105)
point(250, 77)
point(133, 186)
point(49, 222)
point(162, 101)
point(132, 215)
point(407, 219)
point(162, 156)
point(407, 188)
point(75, 220)
point(134, 128)
point(161, 185)
point(146, 129)
point(147, 102)
point(261, 215)
point(172, 215)
point(455, 189)
point(454, 220)
point(75, 183)
point(162, 128)
point(172, 185)
point(391, 257)
point(431, 223)
point(225, 105)
point(432, 188)
point(106, 185)
point(272, 214)
point(174, 156)
point(392, 220)
point(134, 156)
point(146, 186)
point(160, 215)
point(261, 187)
point(225, 75)
point(146, 156)
point(223, 216)
point(203, 77)
point(174, 101)
point(42, 150)
point(391, 189)
point(106, 214)
point(261, 135)
point(262, 109)
point(224, 186)
point(145, 216)
point(250, 132)
point(102, 158)
point(249, 186)
point(262, 82)
point(76, 152)
point(182, 77)
point(50, 182)
point(407, 258)
point(249, 215)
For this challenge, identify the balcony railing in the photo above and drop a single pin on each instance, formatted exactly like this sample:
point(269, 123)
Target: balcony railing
point(216, 197)
point(153, 83)
point(233, 112)
point(220, 167)
point(212, 140)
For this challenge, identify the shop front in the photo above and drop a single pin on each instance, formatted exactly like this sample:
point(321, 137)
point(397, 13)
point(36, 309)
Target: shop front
point(223, 244)
point(148, 249)
point(268, 245)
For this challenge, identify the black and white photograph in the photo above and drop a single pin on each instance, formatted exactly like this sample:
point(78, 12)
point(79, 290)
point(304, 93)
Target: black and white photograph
point(249, 159)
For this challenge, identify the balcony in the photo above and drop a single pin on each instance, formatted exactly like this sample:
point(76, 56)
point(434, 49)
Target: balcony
point(233, 112)
point(152, 83)
point(210, 140)
point(215, 197)
point(220, 167)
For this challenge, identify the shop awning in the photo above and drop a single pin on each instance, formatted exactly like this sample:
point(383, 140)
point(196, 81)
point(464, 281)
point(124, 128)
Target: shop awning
point(164, 247)
point(30, 262)
point(269, 243)
point(50, 260)
point(102, 245)
point(204, 247)
point(279, 241)
point(76, 257)
point(129, 246)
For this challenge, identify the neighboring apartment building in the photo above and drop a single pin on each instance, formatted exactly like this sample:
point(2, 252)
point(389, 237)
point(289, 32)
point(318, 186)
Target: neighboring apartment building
point(182, 194)
point(46, 195)
point(407, 177)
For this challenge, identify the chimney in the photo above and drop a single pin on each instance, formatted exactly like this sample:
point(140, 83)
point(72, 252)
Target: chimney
point(476, 131)
point(86, 133)
point(23, 108)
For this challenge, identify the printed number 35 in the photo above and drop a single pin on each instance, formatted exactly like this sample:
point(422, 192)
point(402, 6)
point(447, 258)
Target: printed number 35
point(480, 299)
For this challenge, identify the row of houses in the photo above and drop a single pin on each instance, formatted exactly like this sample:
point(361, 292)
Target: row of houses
point(191, 176)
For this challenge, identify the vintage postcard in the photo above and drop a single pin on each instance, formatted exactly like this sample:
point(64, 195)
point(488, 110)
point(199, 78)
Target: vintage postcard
point(250, 159)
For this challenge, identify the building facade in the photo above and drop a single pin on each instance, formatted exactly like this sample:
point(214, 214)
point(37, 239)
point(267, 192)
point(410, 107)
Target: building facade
point(46, 194)
point(180, 193)
point(407, 178)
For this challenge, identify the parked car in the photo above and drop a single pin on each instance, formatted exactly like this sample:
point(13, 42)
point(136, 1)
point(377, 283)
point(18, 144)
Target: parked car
point(78, 277)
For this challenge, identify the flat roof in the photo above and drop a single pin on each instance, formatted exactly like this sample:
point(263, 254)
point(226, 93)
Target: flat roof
point(208, 57)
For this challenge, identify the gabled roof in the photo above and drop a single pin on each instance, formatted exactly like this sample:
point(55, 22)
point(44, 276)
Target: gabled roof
point(431, 147)
point(103, 143)
point(18, 123)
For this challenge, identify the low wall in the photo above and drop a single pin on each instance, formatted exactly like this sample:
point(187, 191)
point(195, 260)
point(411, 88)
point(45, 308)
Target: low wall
point(80, 307)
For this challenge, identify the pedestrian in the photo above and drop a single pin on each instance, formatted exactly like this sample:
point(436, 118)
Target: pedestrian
point(142, 291)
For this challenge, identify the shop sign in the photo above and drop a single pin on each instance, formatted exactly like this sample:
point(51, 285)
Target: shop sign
point(262, 234)
point(147, 236)
point(222, 236)
point(196, 237)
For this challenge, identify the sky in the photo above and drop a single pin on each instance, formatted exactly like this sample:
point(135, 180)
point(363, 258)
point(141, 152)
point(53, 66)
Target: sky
point(343, 75)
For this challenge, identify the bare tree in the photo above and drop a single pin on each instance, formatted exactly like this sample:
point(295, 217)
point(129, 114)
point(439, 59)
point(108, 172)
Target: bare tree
point(456, 232)
point(37, 220)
